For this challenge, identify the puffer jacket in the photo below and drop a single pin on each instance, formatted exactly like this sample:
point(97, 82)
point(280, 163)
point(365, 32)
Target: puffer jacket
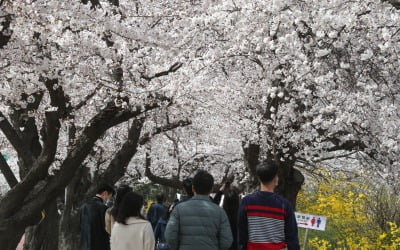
point(198, 224)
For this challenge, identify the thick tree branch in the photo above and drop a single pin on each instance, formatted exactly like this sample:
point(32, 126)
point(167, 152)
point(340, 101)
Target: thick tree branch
point(58, 98)
point(174, 183)
point(5, 36)
point(12, 136)
point(21, 118)
point(395, 3)
point(251, 156)
point(53, 185)
point(172, 69)
point(15, 197)
point(114, 2)
point(117, 167)
point(147, 137)
point(7, 172)
point(169, 126)
point(349, 145)
point(95, 3)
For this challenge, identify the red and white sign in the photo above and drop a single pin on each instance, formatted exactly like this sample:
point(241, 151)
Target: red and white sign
point(316, 222)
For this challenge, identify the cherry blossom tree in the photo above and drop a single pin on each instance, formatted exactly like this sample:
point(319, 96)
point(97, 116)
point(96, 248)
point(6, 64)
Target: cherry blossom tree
point(305, 83)
point(71, 71)
point(314, 81)
point(208, 144)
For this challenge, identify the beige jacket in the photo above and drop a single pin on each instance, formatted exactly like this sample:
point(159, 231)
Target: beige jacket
point(136, 235)
point(109, 219)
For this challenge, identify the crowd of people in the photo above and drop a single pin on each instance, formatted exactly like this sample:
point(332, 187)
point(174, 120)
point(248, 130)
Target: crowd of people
point(262, 220)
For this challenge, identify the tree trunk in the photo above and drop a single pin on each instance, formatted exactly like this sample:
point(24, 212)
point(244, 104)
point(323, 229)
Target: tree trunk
point(74, 198)
point(44, 236)
point(69, 230)
point(290, 179)
point(251, 159)
point(11, 236)
point(290, 182)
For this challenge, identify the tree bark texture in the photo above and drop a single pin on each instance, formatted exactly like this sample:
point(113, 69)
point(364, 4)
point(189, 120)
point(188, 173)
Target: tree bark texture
point(251, 159)
point(76, 190)
point(22, 205)
point(44, 236)
point(82, 187)
point(290, 179)
point(290, 182)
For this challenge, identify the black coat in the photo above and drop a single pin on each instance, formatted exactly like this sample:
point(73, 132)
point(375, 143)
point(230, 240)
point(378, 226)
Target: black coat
point(92, 225)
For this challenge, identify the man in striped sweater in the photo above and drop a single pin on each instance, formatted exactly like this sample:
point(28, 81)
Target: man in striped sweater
point(267, 220)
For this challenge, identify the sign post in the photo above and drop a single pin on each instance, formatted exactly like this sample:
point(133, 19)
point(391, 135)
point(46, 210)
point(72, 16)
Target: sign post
point(309, 221)
point(305, 239)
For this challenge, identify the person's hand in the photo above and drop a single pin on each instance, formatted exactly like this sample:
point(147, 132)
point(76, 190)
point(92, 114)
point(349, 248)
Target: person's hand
point(222, 188)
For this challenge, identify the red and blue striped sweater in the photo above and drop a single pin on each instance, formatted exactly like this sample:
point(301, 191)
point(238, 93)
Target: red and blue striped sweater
point(266, 221)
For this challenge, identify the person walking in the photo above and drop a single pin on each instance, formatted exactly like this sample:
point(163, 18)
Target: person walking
point(159, 231)
point(92, 220)
point(228, 197)
point(198, 223)
point(156, 210)
point(266, 220)
point(131, 231)
point(112, 212)
point(231, 206)
point(187, 187)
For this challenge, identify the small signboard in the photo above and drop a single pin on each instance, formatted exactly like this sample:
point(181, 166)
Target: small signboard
point(310, 221)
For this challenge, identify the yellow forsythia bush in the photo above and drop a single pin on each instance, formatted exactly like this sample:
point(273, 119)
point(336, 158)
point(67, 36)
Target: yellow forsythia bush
point(349, 225)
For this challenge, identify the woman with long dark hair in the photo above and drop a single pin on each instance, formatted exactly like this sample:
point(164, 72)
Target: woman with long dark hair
point(131, 231)
point(231, 207)
point(112, 212)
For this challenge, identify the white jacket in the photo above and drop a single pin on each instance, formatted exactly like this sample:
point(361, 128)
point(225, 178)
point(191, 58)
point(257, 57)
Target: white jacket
point(136, 235)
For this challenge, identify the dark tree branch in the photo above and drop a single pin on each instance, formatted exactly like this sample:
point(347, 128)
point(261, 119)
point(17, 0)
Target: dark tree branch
point(114, 2)
point(251, 157)
point(15, 197)
point(225, 177)
point(7, 172)
point(21, 118)
point(258, 62)
point(54, 185)
point(95, 3)
point(4, 39)
point(349, 145)
point(118, 165)
point(174, 183)
point(395, 3)
point(86, 99)
point(58, 98)
point(172, 69)
point(19, 145)
point(147, 137)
